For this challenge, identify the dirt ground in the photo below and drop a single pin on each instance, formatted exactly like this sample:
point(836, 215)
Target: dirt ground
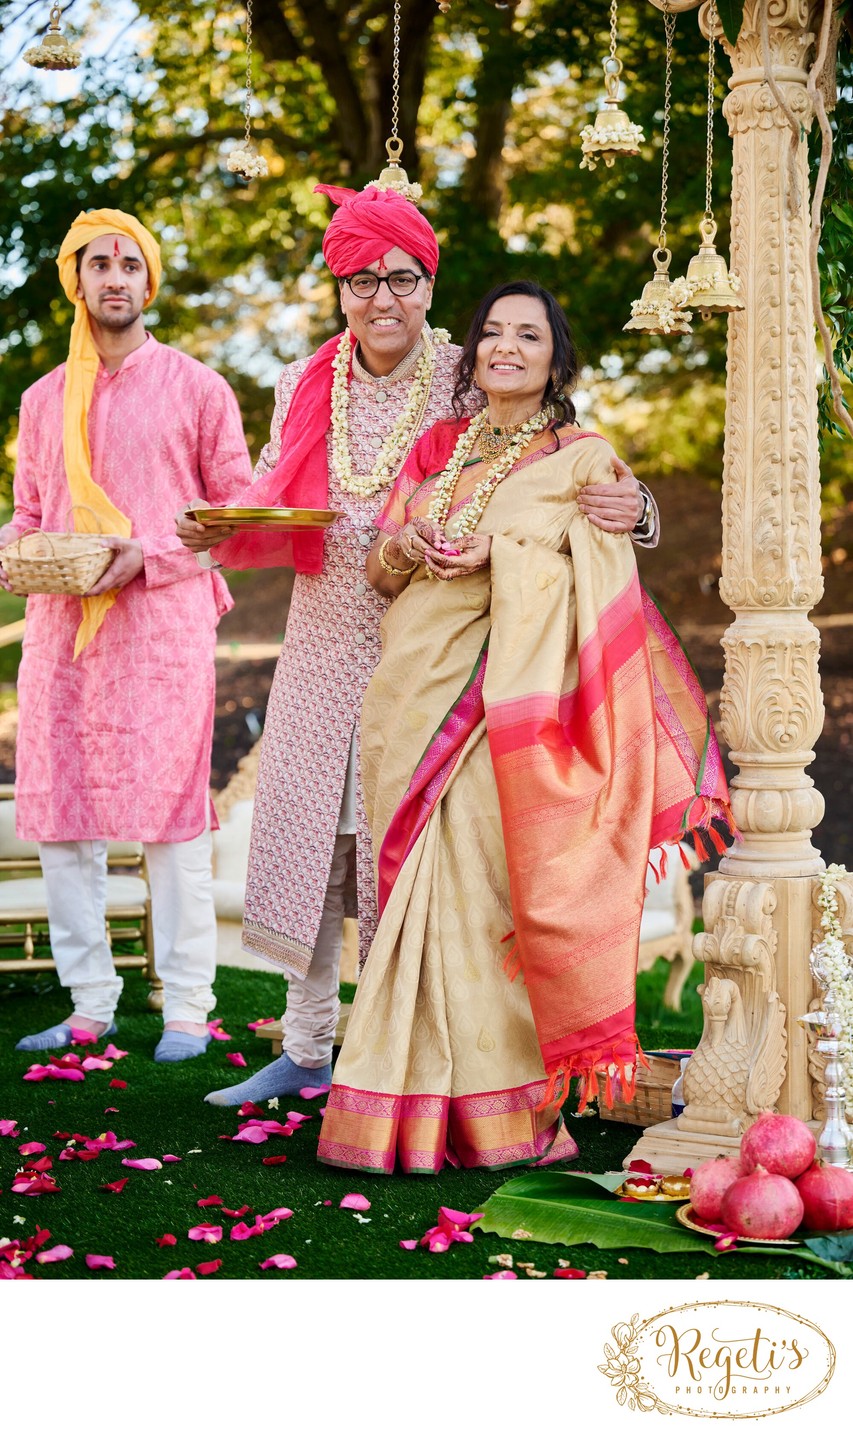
point(683, 573)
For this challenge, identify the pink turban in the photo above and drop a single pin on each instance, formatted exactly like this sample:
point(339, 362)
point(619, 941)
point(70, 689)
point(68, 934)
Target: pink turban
point(369, 223)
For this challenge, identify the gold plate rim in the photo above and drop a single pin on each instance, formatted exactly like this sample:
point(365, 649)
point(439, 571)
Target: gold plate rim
point(683, 1215)
point(235, 516)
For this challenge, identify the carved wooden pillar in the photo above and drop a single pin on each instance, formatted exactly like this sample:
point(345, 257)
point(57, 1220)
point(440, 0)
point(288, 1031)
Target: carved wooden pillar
point(757, 909)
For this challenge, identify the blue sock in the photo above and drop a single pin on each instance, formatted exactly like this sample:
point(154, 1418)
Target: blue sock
point(57, 1037)
point(282, 1078)
point(174, 1047)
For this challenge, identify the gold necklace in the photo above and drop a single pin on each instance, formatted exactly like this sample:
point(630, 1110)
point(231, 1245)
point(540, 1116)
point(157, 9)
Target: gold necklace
point(494, 440)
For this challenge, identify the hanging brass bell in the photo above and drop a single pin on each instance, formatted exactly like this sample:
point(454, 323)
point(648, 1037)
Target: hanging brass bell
point(613, 133)
point(713, 288)
point(54, 52)
point(394, 177)
point(660, 308)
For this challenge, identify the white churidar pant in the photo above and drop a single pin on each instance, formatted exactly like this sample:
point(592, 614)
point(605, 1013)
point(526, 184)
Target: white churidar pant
point(313, 1002)
point(183, 915)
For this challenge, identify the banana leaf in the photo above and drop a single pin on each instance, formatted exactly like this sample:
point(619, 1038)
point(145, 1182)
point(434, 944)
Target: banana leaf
point(565, 1208)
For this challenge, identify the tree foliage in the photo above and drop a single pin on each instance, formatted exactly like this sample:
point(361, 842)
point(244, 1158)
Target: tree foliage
point(491, 103)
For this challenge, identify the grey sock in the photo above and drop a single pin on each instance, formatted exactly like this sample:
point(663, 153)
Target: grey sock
point(56, 1037)
point(174, 1047)
point(279, 1079)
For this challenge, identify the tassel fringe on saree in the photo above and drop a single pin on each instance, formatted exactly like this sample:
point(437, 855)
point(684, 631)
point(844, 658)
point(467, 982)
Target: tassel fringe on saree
point(532, 732)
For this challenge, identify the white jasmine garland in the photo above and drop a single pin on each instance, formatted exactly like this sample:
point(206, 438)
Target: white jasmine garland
point(620, 140)
point(248, 163)
point(832, 966)
point(401, 437)
point(445, 488)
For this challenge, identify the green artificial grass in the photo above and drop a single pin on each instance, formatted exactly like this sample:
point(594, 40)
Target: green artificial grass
point(162, 1111)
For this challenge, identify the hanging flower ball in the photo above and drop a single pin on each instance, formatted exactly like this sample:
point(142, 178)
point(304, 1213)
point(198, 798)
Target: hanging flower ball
point(247, 162)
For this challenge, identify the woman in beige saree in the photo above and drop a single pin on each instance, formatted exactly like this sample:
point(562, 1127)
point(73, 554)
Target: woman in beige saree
point(532, 731)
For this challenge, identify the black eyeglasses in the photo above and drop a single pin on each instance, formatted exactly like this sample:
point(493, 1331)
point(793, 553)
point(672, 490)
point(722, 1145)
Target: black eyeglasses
point(365, 284)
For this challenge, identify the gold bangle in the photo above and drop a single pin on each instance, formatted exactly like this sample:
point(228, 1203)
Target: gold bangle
point(388, 566)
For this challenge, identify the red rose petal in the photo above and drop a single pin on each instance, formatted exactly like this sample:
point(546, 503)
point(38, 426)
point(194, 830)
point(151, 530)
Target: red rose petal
point(271, 1162)
point(167, 1240)
point(204, 1269)
point(117, 1083)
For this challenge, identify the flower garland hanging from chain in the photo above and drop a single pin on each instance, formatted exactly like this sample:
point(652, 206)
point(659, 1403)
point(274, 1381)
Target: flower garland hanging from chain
point(613, 133)
point(245, 160)
point(832, 966)
point(54, 52)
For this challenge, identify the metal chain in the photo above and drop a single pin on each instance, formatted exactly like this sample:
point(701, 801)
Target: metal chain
point(613, 21)
point(395, 91)
point(248, 70)
point(669, 30)
point(709, 153)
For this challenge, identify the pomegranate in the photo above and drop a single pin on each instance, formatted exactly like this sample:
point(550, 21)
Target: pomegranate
point(709, 1185)
point(762, 1204)
point(827, 1195)
point(779, 1144)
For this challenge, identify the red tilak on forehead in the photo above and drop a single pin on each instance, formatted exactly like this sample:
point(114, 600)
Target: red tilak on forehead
point(382, 264)
point(116, 250)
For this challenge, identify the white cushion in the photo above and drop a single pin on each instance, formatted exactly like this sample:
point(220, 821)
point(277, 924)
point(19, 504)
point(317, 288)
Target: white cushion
point(29, 895)
point(231, 844)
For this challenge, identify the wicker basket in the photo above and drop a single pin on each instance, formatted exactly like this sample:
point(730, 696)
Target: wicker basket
point(42, 563)
point(652, 1101)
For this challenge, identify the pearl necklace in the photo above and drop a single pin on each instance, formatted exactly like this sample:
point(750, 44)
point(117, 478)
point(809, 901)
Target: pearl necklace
point(403, 434)
point(470, 516)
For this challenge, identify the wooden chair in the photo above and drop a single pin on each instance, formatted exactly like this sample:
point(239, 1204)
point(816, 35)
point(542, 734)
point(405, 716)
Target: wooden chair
point(23, 904)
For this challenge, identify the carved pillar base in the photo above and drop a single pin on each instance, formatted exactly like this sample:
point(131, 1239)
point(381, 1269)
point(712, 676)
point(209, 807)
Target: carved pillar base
point(750, 1058)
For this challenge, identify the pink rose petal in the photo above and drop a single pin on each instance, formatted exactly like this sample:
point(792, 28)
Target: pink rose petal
point(277, 1214)
point(236, 1059)
point(110, 1110)
point(212, 1201)
point(309, 1093)
point(41, 1165)
point(216, 1031)
point(205, 1232)
point(83, 1037)
point(280, 1259)
point(167, 1240)
point(115, 1187)
point(111, 1051)
point(240, 1232)
point(183, 1274)
point(34, 1186)
point(259, 1023)
point(357, 1201)
point(458, 1221)
point(145, 1165)
point(29, 1150)
point(299, 1117)
point(236, 1211)
point(502, 1276)
point(409, 1243)
point(55, 1254)
point(204, 1269)
point(9, 1128)
point(250, 1110)
point(96, 1065)
point(252, 1133)
point(170, 1158)
point(95, 1261)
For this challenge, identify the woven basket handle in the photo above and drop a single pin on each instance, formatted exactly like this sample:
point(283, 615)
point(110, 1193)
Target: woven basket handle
point(33, 529)
point(89, 510)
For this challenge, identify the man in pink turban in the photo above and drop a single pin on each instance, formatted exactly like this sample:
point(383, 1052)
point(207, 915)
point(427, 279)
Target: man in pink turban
point(344, 421)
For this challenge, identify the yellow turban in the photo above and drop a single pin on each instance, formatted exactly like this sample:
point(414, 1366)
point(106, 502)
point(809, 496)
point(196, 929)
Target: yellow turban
point(99, 515)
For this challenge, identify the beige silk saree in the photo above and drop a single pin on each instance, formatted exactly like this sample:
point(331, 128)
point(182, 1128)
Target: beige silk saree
point(531, 732)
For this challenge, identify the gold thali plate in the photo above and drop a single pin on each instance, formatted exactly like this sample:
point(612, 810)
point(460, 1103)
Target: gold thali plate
point(237, 518)
point(649, 1197)
point(684, 1215)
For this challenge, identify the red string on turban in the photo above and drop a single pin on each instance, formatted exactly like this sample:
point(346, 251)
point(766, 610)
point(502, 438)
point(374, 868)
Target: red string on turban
point(367, 224)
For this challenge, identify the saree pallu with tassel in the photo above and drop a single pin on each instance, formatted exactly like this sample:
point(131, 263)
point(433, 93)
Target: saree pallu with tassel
point(532, 731)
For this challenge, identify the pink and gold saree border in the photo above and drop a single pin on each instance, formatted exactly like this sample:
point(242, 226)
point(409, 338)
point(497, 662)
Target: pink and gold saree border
point(374, 1131)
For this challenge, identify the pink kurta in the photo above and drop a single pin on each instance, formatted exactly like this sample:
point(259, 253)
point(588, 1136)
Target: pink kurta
point(117, 745)
point(330, 651)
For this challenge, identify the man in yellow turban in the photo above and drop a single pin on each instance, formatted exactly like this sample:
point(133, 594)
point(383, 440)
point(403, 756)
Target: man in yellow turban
point(116, 692)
